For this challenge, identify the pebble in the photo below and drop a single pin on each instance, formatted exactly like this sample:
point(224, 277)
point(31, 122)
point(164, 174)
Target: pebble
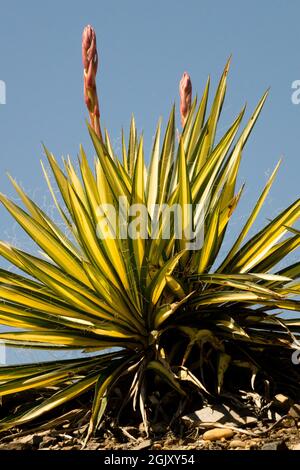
point(145, 444)
point(237, 443)
point(157, 446)
point(33, 439)
point(15, 446)
point(295, 410)
point(47, 442)
point(217, 434)
point(282, 401)
point(295, 447)
point(25, 439)
point(276, 445)
point(253, 445)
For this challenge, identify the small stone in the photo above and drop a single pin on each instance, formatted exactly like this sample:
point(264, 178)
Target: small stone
point(237, 443)
point(282, 401)
point(253, 445)
point(219, 414)
point(47, 442)
point(250, 420)
point(33, 439)
point(15, 446)
point(295, 411)
point(276, 445)
point(217, 434)
point(295, 447)
point(157, 446)
point(25, 439)
point(145, 444)
point(280, 398)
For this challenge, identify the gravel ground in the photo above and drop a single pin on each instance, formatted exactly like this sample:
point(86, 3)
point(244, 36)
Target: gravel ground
point(285, 436)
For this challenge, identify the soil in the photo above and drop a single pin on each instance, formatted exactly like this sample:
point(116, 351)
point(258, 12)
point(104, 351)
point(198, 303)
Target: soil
point(250, 423)
point(284, 436)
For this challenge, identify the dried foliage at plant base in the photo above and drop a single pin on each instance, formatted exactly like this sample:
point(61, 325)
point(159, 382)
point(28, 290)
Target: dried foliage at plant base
point(184, 324)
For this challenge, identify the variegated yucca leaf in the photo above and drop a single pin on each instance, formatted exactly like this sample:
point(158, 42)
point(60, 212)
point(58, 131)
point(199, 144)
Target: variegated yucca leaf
point(152, 297)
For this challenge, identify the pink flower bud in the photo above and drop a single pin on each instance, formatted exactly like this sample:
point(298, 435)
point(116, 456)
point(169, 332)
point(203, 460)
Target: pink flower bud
point(89, 50)
point(185, 92)
point(90, 65)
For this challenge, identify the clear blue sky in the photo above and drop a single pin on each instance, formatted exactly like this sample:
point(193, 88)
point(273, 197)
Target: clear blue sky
point(144, 48)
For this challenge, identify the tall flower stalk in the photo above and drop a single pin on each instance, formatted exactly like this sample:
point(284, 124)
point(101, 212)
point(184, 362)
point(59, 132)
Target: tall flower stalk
point(90, 65)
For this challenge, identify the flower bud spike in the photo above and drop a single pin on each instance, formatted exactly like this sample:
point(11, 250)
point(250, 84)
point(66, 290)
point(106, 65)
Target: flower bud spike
point(185, 92)
point(90, 66)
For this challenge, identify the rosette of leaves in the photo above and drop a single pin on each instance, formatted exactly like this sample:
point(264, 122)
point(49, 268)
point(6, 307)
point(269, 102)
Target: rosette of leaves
point(149, 306)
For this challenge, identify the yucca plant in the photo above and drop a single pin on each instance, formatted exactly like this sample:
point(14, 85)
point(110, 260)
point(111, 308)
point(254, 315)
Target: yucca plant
point(159, 314)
